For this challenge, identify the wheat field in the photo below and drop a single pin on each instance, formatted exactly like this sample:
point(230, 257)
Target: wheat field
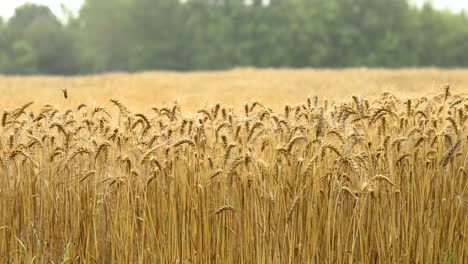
point(233, 88)
point(247, 166)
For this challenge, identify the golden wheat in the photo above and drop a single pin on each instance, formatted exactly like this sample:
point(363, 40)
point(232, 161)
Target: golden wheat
point(360, 181)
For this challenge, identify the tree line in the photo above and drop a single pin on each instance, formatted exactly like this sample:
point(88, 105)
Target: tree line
point(137, 35)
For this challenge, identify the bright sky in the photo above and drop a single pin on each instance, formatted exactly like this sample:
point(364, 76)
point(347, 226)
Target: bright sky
point(7, 7)
point(455, 5)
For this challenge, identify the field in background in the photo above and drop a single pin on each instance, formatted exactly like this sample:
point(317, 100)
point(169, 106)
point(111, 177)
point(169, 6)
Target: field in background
point(194, 90)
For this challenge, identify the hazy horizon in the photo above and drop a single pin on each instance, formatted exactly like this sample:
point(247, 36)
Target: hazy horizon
point(7, 8)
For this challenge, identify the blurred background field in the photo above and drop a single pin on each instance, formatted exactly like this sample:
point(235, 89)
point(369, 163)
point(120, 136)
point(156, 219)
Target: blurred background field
point(197, 89)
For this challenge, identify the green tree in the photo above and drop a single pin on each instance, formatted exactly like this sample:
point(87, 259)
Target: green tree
point(3, 46)
point(158, 37)
point(137, 35)
point(443, 38)
point(22, 59)
point(213, 39)
point(53, 48)
point(104, 35)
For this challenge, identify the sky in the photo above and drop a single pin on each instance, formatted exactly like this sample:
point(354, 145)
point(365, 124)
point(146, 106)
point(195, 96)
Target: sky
point(455, 5)
point(7, 7)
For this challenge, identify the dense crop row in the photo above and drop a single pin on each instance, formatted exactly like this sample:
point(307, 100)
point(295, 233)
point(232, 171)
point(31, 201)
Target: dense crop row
point(366, 181)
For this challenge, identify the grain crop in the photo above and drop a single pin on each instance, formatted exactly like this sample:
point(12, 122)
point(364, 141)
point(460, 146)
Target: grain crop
point(363, 180)
point(193, 90)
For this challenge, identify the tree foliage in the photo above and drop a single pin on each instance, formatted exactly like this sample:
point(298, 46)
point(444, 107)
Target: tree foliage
point(137, 35)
